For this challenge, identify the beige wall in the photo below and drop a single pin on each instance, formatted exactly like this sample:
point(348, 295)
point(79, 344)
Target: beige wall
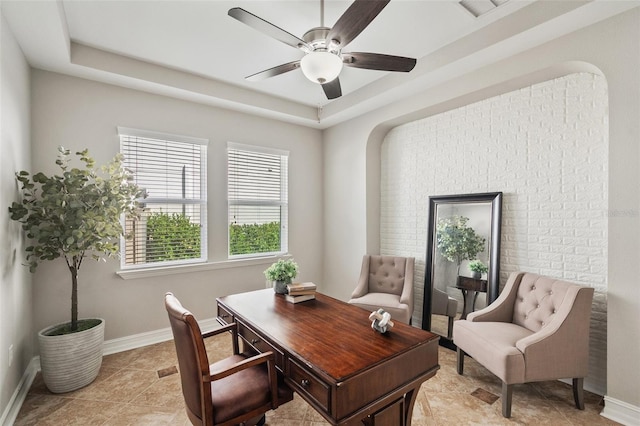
point(334, 188)
point(15, 280)
point(352, 168)
point(78, 113)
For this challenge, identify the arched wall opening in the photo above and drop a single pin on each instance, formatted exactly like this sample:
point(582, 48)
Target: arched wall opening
point(542, 139)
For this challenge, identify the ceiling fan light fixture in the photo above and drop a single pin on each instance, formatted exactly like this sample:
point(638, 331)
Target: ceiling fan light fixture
point(321, 67)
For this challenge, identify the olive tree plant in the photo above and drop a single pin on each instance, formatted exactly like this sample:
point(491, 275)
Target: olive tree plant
point(75, 214)
point(457, 241)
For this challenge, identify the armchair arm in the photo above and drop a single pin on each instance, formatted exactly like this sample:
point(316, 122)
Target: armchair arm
point(232, 327)
point(561, 348)
point(363, 282)
point(262, 358)
point(266, 357)
point(501, 310)
point(228, 327)
point(406, 296)
point(439, 302)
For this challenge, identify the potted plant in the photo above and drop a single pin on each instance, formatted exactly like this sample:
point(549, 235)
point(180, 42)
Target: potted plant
point(478, 268)
point(73, 215)
point(457, 241)
point(281, 273)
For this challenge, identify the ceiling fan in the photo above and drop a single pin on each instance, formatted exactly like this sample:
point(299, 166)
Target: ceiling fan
point(324, 58)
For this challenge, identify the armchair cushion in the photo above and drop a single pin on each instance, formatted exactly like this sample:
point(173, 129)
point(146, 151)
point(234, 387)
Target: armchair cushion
point(494, 346)
point(389, 302)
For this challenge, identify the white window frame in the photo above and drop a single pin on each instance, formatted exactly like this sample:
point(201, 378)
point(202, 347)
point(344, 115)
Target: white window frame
point(283, 202)
point(202, 201)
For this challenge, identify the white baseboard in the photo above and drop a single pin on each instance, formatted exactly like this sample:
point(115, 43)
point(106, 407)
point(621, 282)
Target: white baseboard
point(135, 341)
point(20, 394)
point(112, 346)
point(621, 412)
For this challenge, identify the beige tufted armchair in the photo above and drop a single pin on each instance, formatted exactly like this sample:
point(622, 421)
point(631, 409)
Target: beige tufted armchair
point(537, 329)
point(443, 304)
point(386, 282)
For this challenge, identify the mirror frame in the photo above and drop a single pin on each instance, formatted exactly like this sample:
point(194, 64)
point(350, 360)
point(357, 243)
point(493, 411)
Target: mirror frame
point(493, 275)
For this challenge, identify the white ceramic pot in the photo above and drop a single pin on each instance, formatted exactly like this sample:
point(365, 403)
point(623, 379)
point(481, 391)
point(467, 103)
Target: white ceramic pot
point(71, 361)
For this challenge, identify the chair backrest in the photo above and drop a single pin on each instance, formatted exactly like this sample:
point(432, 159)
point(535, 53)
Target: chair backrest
point(538, 298)
point(387, 274)
point(192, 357)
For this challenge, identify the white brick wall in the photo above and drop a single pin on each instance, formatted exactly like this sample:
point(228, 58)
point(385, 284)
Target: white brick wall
point(546, 148)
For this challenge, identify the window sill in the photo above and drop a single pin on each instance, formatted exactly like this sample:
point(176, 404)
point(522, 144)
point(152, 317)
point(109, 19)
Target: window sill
point(131, 274)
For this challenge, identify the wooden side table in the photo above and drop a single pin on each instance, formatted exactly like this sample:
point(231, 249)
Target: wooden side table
point(470, 287)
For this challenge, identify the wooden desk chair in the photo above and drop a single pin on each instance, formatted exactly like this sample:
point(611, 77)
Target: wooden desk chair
point(236, 390)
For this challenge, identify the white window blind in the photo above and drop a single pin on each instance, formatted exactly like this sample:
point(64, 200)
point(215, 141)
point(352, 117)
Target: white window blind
point(258, 200)
point(172, 169)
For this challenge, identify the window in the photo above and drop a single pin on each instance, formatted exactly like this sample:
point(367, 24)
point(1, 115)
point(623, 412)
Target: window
point(258, 201)
point(173, 226)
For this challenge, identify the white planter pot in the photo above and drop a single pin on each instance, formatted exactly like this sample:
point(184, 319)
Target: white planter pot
point(71, 361)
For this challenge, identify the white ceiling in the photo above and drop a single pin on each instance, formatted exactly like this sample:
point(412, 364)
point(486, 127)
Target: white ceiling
point(194, 50)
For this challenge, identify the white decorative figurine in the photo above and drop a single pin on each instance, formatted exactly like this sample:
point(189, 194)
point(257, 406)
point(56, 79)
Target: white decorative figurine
point(381, 320)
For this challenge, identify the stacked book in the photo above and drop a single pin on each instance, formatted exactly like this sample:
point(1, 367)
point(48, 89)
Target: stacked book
point(299, 292)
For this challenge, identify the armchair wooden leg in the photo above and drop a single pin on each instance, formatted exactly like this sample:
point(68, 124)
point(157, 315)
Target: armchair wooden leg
point(507, 391)
point(460, 363)
point(578, 393)
point(450, 329)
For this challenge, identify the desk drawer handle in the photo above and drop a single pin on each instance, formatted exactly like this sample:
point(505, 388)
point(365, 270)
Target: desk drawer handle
point(305, 383)
point(254, 341)
point(224, 316)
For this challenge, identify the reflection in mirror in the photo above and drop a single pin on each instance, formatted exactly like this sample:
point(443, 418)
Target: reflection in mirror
point(462, 265)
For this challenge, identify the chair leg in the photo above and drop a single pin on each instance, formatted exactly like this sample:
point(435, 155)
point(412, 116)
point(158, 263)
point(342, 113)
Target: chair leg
point(507, 391)
point(460, 363)
point(578, 393)
point(450, 329)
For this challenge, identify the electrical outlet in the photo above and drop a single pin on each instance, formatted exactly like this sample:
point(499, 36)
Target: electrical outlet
point(10, 355)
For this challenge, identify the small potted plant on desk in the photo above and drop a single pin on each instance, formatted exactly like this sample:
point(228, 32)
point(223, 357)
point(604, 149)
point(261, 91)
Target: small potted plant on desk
point(478, 268)
point(281, 273)
point(74, 215)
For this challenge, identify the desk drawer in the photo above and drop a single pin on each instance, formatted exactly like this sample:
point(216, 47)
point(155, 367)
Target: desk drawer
point(306, 382)
point(224, 317)
point(259, 344)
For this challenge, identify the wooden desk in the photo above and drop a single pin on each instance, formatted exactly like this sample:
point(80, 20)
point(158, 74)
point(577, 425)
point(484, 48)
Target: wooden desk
point(470, 287)
point(331, 357)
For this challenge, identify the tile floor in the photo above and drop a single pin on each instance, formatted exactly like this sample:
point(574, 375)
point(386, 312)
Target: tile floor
point(129, 391)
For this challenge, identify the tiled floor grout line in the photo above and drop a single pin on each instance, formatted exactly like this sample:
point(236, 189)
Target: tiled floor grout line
point(446, 397)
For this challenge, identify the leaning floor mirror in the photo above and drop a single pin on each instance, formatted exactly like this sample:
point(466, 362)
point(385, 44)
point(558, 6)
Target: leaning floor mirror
point(463, 259)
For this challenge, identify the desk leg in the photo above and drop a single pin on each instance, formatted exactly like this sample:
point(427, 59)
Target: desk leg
point(409, 402)
point(398, 413)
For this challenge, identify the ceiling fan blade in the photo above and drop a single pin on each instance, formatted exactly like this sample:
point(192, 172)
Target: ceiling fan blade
point(354, 20)
point(378, 61)
point(267, 28)
point(272, 72)
point(332, 89)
